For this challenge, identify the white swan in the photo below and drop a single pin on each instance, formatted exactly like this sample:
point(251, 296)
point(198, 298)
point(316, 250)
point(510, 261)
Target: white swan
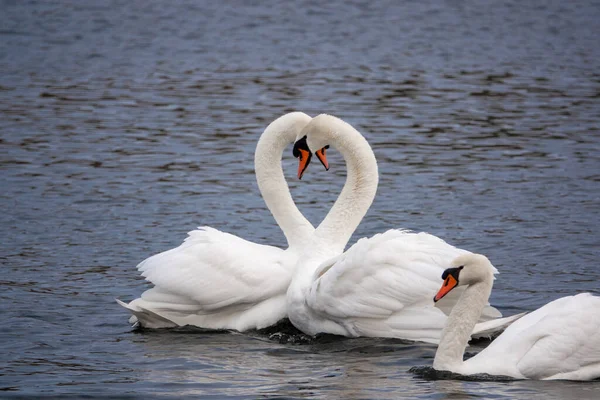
point(561, 340)
point(220, 281)
point(382, 286)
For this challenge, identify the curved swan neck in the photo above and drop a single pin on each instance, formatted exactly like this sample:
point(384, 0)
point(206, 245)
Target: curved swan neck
point(460, 324)
point(271, 181)
point(359, 190)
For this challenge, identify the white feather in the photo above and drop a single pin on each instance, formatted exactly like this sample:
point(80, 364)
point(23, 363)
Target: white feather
point(560, 340)
point(382, 286)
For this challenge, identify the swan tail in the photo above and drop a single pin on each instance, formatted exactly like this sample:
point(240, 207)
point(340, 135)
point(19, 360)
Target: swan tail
point(145, 317)
point(492, 328)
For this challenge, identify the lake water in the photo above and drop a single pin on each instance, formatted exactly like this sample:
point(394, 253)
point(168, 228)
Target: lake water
point(126, 124)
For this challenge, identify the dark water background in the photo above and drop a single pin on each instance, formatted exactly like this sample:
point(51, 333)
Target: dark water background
point(125, 124)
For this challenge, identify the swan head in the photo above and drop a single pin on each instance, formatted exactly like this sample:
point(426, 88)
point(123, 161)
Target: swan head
point(303, 154)
point(315, 138)
point(466, 270)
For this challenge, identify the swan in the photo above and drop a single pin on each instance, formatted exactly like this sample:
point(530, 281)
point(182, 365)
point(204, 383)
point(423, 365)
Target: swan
point(217, 280)
point(382, 286)
point(560, 340)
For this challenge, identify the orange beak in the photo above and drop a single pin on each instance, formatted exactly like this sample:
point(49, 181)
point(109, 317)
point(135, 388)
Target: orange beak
point(449, 284)
point(321, 156)
point(303, 161)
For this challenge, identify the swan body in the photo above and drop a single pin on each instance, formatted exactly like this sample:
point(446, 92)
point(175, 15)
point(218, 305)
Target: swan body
point(560, 340)
point(382, 286)
point(217, 280)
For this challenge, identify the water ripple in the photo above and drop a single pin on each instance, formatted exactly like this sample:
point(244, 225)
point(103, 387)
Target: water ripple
point(123, 127)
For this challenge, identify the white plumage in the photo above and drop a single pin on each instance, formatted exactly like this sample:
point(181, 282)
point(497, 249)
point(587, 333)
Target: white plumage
point(382, 286)
point(216, 280)
point(560, 340)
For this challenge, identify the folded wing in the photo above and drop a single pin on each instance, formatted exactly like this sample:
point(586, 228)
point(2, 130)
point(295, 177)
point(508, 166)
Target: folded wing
point(384, 286)
point(216, 280)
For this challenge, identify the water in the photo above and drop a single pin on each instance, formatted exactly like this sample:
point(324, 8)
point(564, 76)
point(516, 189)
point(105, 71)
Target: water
point(125, 124)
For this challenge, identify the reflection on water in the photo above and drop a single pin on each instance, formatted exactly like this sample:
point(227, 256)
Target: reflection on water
point(124, 125)
point(430, 373)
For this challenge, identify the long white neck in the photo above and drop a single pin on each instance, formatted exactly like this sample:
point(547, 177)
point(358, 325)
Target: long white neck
point(359, 190)
point(271, 181)
point(460, 324)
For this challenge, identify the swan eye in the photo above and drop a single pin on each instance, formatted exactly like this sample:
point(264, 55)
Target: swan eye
point(300, 145)
point(303, 154)
point(454, 272)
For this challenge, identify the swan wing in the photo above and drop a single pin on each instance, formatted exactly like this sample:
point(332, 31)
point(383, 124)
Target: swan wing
point(214, 280)
point(384, 286)
point(217, 269)
point(560, 340)
point(381, 275)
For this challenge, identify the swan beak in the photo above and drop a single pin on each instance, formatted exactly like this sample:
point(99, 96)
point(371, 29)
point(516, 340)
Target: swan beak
point(303, 161)
point(321, 156)
point(449, 284)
